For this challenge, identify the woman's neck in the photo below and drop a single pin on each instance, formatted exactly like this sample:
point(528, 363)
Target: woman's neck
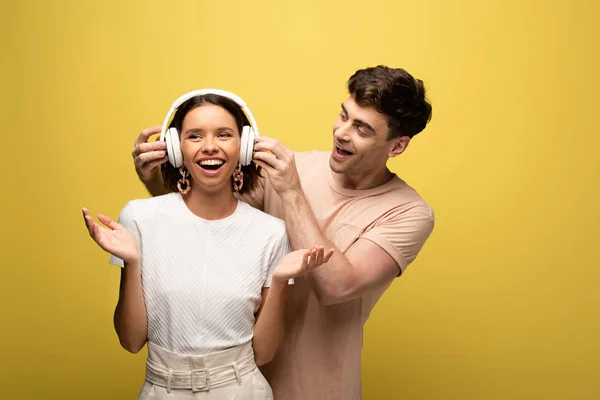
point(211, 205)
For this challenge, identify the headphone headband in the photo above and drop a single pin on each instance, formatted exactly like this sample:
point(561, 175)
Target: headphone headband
point(183, 98)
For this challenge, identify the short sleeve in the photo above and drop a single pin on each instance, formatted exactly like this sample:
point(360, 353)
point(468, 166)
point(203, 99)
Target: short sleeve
point(403, 234)
point(281, 248)
point(127, 219)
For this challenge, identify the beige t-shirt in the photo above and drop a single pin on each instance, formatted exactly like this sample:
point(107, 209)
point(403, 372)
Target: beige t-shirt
point(320, 356)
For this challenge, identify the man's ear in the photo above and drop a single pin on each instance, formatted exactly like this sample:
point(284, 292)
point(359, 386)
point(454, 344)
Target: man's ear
point(398, 146)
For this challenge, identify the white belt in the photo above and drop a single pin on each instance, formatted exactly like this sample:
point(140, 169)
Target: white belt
point(199, 380)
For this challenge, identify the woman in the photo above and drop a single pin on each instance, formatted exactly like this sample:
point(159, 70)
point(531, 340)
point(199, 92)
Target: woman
point(214, 271)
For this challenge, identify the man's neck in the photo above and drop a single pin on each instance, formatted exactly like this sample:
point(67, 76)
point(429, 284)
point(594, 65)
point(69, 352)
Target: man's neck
point(363, 181)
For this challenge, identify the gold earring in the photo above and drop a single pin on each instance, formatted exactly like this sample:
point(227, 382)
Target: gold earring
point(238, 178)
point(183, 184)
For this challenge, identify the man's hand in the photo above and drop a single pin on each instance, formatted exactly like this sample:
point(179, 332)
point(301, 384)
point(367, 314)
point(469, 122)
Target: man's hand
point(148, 157)
point(279, 163)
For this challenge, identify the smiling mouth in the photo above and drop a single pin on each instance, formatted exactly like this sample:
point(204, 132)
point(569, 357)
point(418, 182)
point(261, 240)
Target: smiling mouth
point(211, 165)
point(343, 152)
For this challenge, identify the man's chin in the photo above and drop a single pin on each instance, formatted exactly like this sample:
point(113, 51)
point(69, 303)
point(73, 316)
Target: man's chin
point(336, 166)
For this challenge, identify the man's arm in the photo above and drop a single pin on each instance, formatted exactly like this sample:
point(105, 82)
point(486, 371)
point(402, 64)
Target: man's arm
point(366, 265)
point(363, 267)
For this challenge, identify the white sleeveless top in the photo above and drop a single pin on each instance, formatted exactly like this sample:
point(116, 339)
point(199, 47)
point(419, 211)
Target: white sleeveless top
point(202, 279)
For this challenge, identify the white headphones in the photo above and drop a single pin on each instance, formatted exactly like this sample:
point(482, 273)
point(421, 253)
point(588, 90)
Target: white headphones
point(171, 136)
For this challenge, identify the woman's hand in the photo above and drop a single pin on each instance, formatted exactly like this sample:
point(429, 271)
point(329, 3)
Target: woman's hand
point(301, 261)
point(115, 238)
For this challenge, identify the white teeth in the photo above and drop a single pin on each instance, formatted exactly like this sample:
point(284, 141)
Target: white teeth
point(211, 162)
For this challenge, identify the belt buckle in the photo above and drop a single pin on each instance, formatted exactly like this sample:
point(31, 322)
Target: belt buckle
point(198, 384)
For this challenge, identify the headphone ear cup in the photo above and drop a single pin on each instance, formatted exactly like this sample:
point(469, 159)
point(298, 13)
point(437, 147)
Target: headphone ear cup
point(174, 148)
point(250, 148)
point(246, 145)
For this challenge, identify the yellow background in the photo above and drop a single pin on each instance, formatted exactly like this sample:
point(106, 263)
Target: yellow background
point(501, 304)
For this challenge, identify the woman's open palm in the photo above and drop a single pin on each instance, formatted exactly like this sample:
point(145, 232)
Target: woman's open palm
point(298, 262)
point(114, 238)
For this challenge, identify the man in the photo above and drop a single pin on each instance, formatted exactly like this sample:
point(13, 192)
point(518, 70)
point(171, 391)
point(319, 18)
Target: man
point(345, 199)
